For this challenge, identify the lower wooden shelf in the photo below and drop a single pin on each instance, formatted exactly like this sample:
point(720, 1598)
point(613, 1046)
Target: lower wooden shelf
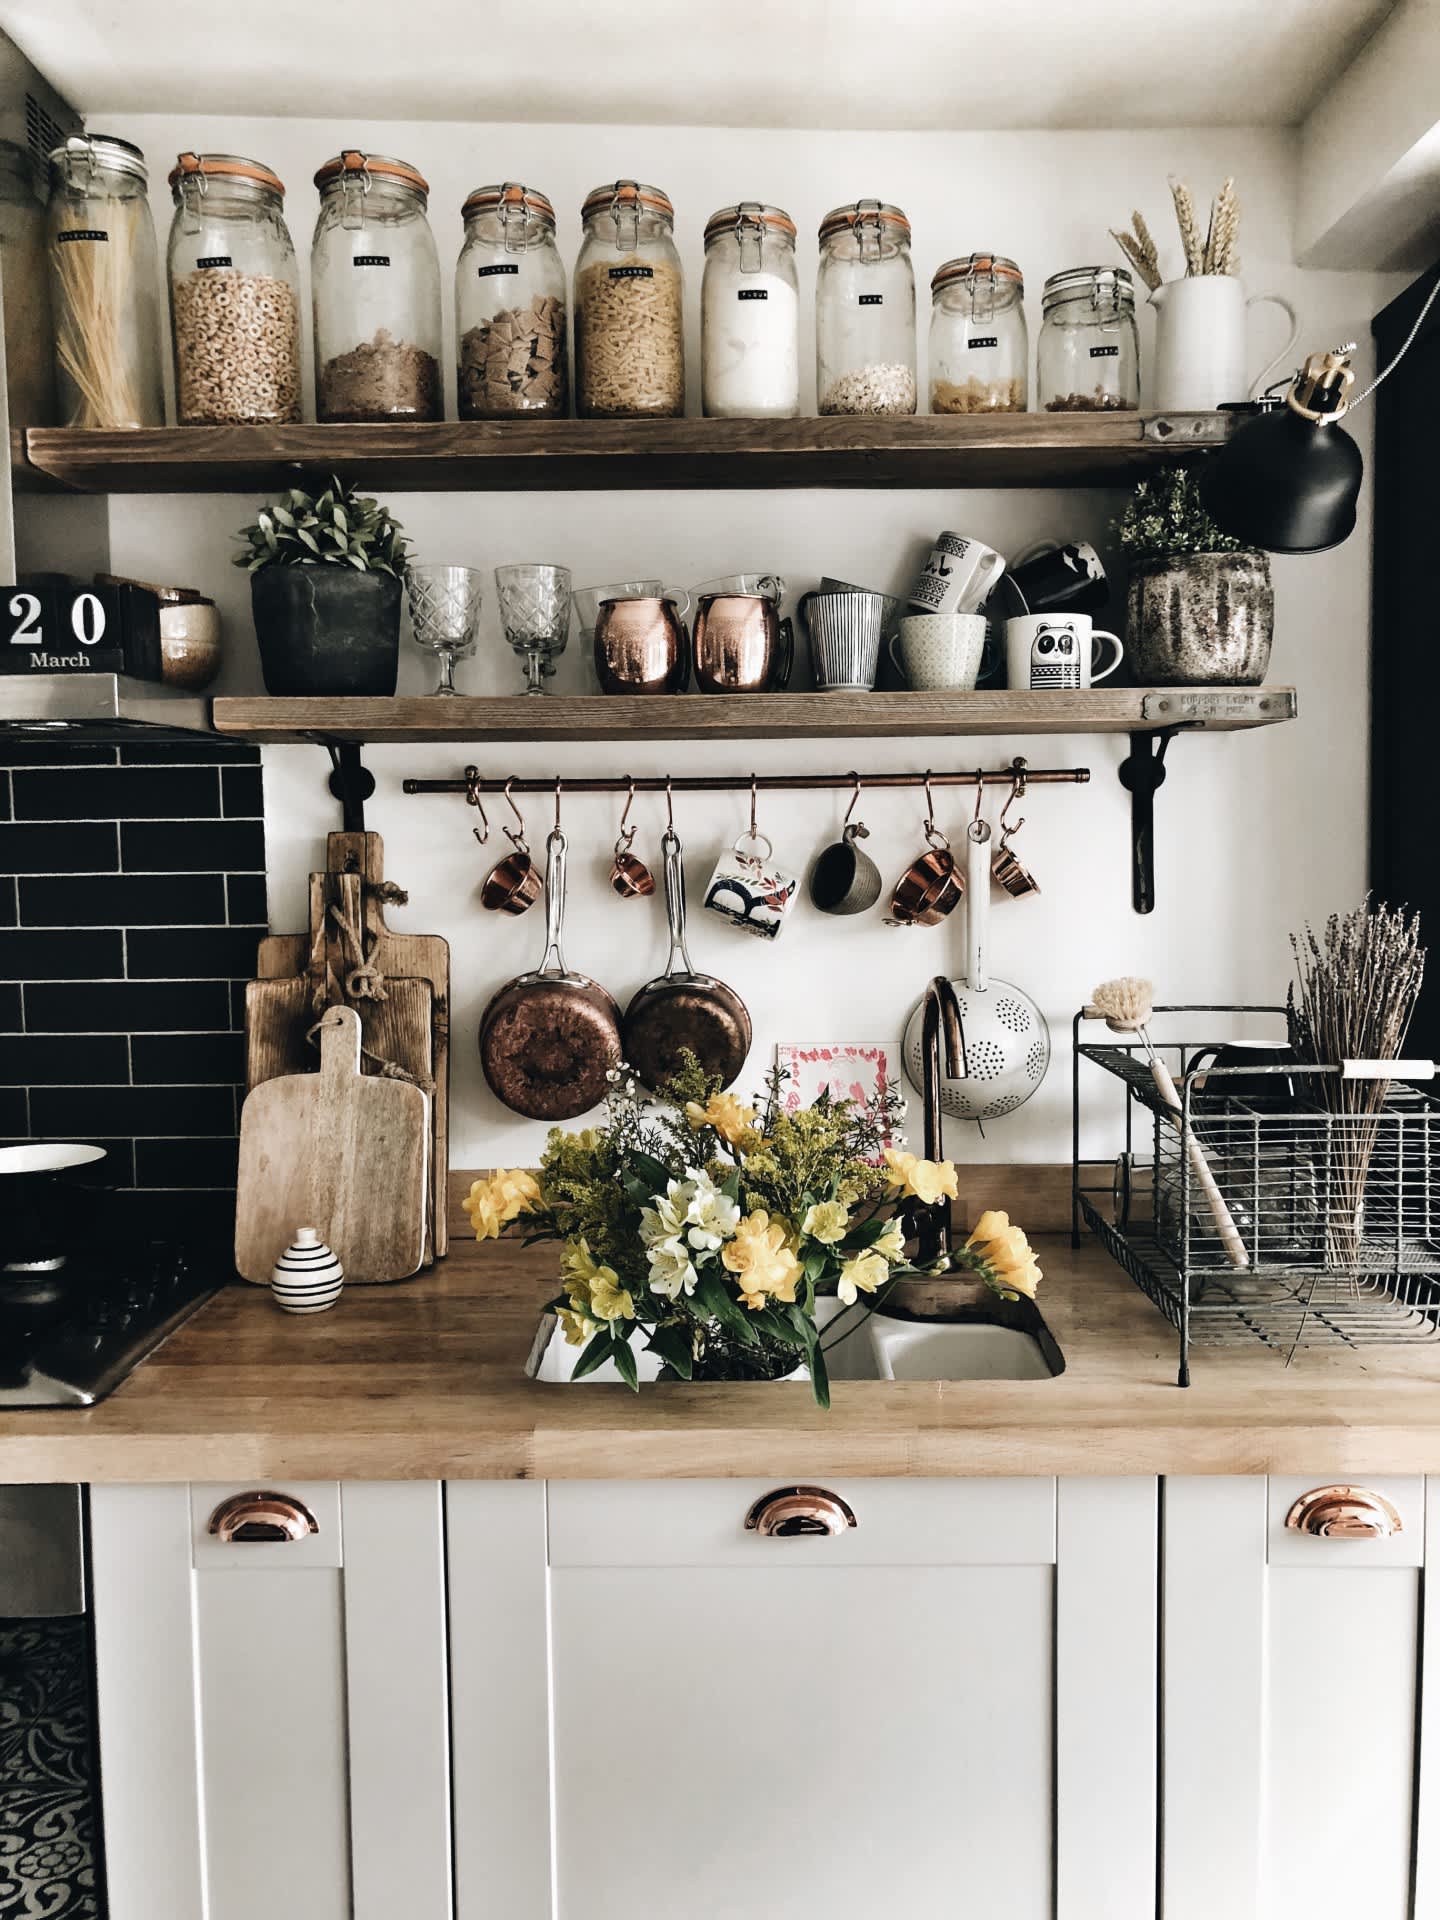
point(766, 716)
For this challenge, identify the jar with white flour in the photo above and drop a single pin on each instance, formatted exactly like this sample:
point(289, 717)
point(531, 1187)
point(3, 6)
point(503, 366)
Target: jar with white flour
point(750, 315)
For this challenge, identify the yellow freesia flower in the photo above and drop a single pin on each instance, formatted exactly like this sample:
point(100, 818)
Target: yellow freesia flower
point(1008, 1261)
point(826, 1222)
point(891, 1244)
point(862, 1273)
point(763, 1265)
point(577, 1327)
point(492, 1204)
point(608, 1299)
point(730, 1117)
point(925, 1180)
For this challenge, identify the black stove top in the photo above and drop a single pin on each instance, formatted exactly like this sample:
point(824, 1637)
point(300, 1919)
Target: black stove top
point(69, 1337)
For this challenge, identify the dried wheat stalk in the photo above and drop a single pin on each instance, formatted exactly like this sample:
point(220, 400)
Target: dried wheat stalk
point(1135, 253)
point(1220, 242)
point(1189, 228)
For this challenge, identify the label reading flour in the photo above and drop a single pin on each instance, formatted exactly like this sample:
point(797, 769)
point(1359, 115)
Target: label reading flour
point(752, 293)
point(500, 266)
point(984, 340)
point(632, 273)
point(214, 260)
point(370, 260)
point(872, 300)
point(81, 233)
point(1104, 353)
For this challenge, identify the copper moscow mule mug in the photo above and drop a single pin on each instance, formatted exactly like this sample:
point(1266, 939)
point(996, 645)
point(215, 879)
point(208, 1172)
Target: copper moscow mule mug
point(641, 647)
point(741, 645)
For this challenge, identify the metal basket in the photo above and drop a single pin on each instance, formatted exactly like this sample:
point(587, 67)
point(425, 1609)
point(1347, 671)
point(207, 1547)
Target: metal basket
point(1339, 1213)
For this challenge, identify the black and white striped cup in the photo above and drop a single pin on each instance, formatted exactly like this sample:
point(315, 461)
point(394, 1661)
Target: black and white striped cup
point(845, 632)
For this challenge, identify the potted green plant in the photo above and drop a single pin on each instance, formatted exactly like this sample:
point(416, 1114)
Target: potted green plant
point(1201, 606)
point(325, 589)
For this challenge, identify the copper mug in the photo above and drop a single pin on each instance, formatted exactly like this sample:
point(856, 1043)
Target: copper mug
point(741, 645)
point(641, 646)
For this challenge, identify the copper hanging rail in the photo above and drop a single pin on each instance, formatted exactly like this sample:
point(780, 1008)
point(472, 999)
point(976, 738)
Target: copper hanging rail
point(765, 782)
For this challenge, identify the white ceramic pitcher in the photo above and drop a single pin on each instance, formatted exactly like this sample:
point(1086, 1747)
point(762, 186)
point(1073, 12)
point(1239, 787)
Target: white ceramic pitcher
point(1200, 342)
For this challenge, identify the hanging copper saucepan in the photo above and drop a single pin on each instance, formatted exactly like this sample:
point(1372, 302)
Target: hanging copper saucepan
point(514, 883)
point(629, 875)
point(933, 884)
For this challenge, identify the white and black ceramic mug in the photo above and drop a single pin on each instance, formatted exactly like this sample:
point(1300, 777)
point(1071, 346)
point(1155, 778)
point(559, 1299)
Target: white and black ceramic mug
point(1056, 652)
point(959, 576)
point(749, 890)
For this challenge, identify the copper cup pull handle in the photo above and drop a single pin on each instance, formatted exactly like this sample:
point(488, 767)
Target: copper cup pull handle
point(262, 1516)
point(790, 1512)
point(1344, 1513)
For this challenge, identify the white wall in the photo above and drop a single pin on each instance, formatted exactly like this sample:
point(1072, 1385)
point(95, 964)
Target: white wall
point(1254, 832)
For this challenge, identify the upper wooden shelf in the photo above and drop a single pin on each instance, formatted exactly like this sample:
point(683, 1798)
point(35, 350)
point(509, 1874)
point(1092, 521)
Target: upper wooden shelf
point(999, 450)
point(755, 716)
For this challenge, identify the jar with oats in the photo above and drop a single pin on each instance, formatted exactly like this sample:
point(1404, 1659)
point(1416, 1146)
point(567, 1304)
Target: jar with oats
point(234, 294)
point(1088, 357)
point(865, 311)
point(375, 292)
point(511, 308)
point(750, 315)
point(629, 307)
point(979, 348)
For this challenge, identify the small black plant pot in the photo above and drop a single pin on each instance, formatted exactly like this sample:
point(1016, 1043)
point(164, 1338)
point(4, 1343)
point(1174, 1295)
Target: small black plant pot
point(326, 630)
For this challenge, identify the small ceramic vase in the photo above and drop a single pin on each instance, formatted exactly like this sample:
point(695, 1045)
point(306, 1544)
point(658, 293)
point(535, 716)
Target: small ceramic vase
point(307, 1277)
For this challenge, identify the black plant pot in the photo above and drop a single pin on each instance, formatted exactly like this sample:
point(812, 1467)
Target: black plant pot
point(326, 630)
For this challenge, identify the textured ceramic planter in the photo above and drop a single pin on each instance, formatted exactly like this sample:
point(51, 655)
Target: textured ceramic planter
point(326, 630)
point(1201, 619)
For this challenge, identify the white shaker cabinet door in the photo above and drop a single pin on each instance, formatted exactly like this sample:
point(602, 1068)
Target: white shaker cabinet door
point(1292, 1675)
point(673, 1714)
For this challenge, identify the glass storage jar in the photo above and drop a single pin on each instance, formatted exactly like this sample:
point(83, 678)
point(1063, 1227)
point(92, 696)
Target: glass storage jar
point(510, 307)
point(1088, 360)
point(104, 285)
point(750, 315)
point(234, 294)
point(865, 311)
point(29, 325)
point(979, 347)
point(375, 292)
point(629, 307)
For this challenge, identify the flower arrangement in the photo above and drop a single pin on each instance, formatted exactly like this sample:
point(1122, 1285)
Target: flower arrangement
point(709, 1228)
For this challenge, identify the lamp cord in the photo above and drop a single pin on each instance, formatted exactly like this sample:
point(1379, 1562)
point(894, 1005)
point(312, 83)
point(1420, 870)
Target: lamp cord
point(1385, 371)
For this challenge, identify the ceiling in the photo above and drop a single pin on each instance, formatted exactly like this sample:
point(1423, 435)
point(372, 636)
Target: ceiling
point(908, 64)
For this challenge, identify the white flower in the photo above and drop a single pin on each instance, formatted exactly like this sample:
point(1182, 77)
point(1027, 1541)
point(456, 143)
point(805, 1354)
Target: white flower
point(711, 1216)
point(672, 1271)
point(891, 1244)
point(668, 1216)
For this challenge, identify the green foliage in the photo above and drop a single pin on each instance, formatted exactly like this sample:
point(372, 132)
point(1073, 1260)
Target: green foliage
point(1166, 517)
point(336, 528)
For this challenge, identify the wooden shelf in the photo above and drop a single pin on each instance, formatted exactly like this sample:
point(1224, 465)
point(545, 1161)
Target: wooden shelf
point(764, 716)
point(1000, 450)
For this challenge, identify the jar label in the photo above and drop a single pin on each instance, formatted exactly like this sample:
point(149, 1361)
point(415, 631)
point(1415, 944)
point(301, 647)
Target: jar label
point(500, 266)
point(1105, 353)
point(632, 273)
point(370, 260)
point(984, 340)
point(81, 233)
point(872, 300)
point(752, 293)
point(215, 260)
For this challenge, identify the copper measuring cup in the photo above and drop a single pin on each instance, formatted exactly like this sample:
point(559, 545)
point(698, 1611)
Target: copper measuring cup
point(1006, 869)
point(514, 883)
point(629, 875)
point(933, 884)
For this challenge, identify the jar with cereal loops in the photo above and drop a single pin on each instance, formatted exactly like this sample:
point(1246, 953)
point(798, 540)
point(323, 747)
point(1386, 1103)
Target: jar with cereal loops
point(629, 307)
point(375, 291)
point(511, 307)
point(234, 294)
point(979, 348)
point(865, 311)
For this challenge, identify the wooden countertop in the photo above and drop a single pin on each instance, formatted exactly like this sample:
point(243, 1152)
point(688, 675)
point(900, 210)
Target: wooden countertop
point(424, 1380)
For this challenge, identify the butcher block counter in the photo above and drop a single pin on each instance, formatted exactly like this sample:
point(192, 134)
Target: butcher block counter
point(425, 1380)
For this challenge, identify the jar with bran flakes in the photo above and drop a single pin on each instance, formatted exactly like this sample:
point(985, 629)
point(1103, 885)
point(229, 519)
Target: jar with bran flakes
point(629, 307)
point(511, 311)
point(234, 294)
point(375, 292)
point(750, 315)
point(865, 311)
point(979, 347)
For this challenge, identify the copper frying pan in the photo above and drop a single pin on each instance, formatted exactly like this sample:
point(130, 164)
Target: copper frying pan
point(684, 1009)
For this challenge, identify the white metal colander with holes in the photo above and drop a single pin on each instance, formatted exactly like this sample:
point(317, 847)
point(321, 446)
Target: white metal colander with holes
point(1007, 1041)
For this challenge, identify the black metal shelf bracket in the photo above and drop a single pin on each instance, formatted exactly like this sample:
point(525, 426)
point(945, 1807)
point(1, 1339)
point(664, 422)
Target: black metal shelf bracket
point(1141, 775)
point(351, 782)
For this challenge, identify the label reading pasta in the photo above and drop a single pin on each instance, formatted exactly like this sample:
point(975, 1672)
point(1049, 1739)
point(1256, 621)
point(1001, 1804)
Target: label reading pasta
point(1104, 353)
point(984, 340)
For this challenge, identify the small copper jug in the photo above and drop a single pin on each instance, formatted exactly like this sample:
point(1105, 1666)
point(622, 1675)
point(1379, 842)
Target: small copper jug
point(741, 644)
point(641, 646)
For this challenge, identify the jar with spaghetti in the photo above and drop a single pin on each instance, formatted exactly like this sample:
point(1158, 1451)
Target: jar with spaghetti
point(865, 311)
point(234, 294)
point(750, 315)
point(104, 285)
point(1088, 359)
point(629, 307)
point(979, 349)
point(511, 308)
point(375, 292)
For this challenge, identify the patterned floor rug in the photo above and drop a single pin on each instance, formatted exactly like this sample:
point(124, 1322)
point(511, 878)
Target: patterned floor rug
point(47, 1812)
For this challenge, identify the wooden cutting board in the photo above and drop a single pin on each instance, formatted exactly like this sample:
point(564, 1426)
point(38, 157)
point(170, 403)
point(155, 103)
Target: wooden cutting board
point(401, 956)
point(341, 1151)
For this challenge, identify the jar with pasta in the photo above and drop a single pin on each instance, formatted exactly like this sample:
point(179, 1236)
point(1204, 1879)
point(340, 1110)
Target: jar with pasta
point(750, 315)
point(375, 292)
point(979, 348)
point(511, 307)
point(1088, 357)
point(104, 285)
point(865, 311)
point(629, 307)
point(234, 294)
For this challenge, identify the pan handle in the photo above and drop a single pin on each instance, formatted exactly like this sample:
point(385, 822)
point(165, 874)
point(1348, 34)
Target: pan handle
point(675, 901)
point(553, 960)
point(977, 905)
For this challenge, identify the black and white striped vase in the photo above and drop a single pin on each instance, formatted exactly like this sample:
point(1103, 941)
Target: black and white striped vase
point(307, 1277)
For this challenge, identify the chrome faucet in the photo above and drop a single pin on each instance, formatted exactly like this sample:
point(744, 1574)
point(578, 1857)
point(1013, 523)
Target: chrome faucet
point(933, 1227)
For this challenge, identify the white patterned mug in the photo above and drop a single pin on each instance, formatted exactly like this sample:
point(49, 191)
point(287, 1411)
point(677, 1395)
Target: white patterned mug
point(959, 576)
point(749, 890)
point(940, 651)
point(1056, 651)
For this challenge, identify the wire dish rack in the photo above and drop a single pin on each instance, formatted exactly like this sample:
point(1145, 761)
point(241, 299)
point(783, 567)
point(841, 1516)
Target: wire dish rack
point(1339, 1214)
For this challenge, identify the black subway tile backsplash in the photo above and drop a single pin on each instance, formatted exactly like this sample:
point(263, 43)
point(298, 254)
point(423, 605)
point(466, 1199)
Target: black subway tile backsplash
point(65, 846)
point(120, 793)
point(8, 907)
point(123, 900)
point(185, 1163)
point(55, 753)
point(244, 797)
point(65, 1060)
point(135, 1112)
point(10, 1021)
point(246, 896)
point(4, 793)
point(127, 1006)
point(191, 846)
point(191, 953)
point(63, 953)
point(14, 1113)
point(188, 1059)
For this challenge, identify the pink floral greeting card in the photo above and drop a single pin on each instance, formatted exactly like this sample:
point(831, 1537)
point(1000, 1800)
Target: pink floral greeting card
point(862, 1071)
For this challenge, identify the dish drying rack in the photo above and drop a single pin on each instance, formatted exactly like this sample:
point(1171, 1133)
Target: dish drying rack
point(1339, 1213)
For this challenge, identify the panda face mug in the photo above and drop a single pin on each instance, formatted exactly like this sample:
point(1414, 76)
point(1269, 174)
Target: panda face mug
point(1055, 652)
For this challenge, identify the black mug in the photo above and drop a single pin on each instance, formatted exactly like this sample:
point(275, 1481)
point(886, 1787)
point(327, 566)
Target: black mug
point(1269, 1090)
point(1071, 578)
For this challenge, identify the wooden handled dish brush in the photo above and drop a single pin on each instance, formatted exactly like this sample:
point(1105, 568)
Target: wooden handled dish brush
point(1125, 1005)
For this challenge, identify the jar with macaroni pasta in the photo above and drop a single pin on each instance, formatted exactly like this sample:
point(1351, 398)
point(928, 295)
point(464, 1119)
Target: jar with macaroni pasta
point(979, 349)
point(629, 307)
